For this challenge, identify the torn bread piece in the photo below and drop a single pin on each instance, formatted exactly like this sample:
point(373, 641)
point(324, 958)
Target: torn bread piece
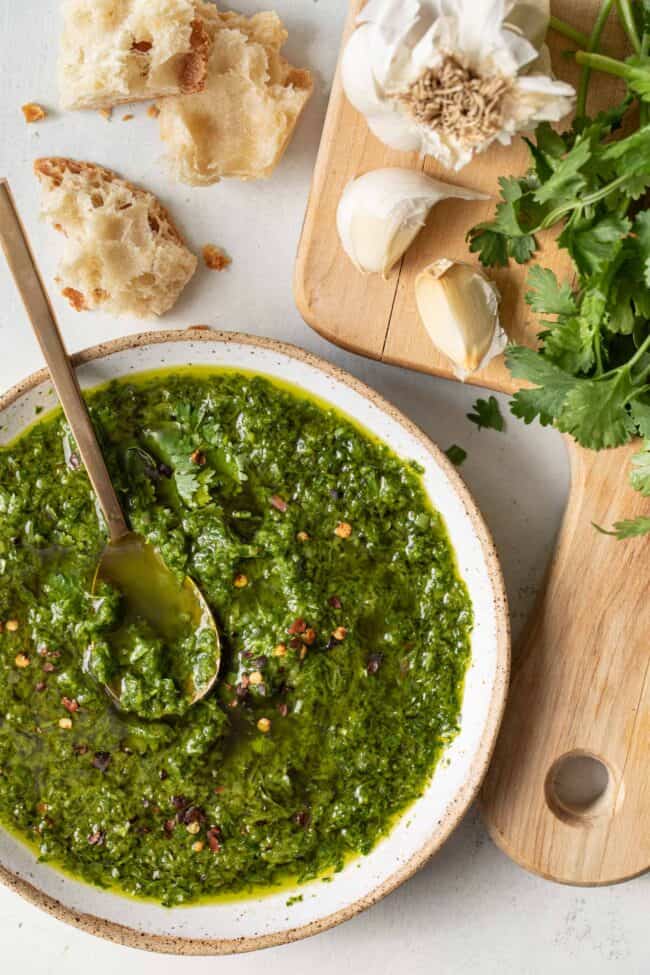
point(122, 252)
point(242, 122)
point(116, 51)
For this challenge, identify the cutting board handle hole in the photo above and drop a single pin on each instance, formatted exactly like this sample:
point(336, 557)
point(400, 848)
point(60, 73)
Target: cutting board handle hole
point(579, 787)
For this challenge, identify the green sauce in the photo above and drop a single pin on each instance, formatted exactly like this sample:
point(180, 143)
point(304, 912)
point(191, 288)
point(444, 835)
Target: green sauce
point(345, 640)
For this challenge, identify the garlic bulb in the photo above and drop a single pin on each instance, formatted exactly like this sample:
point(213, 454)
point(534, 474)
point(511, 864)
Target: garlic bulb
point(381, 213)
point(450, 77)
point(459, 307)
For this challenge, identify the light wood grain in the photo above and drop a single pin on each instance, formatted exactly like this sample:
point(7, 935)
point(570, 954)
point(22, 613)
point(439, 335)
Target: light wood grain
point(582, 683)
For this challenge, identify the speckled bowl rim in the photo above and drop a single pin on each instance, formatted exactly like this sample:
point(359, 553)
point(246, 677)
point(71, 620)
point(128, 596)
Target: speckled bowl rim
point(168, 944)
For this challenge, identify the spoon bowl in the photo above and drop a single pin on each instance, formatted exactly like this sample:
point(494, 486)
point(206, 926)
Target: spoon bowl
point(156, 603)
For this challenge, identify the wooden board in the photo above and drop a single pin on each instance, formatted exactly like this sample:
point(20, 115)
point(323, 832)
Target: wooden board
point(581, 683)
point(378, 318)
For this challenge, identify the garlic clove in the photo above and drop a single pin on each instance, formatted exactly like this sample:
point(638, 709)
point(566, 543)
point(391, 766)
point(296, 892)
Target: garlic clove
point(378, 244)
point(459, 307)
point(381, 213)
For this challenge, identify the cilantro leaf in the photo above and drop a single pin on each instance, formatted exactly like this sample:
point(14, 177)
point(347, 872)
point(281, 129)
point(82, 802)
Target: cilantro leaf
point(640, 473)
point(456, 454)
point(566, 182)
point(521, 249)
point(569, 344)
point(594, 245)
point(553, 385)
point(642, 232)
point(630, 155)
point(487, 415)
point(491, 247)
point(547, 295)
point(641, 416)
point(630, 528)
point(595, 413)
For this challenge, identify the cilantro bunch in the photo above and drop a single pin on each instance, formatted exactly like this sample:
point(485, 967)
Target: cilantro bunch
point(591, 373)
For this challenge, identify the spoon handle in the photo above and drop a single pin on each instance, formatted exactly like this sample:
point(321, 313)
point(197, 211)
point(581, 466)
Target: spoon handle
point(39, 311)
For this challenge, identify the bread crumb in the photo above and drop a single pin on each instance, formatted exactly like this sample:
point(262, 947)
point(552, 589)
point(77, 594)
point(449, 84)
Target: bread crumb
point(153, 111)
point(105, 113)
point(33, 112)
point(215, 258)
point(75, 298)
point(127, 118)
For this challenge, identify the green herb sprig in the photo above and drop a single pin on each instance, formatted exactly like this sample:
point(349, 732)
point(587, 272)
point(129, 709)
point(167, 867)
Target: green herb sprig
point(591, 373)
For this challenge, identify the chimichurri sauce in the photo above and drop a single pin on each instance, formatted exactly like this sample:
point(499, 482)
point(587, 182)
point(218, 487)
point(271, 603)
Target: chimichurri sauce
point(345, 640)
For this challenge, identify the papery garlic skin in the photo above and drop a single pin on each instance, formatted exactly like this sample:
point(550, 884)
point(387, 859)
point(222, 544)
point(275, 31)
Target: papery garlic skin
point(459, 307)
point(499, 43)
point(381, 213)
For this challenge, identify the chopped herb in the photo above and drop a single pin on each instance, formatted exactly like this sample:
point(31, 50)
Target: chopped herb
point(487, 415)
point(456, 454)
point(265, 770)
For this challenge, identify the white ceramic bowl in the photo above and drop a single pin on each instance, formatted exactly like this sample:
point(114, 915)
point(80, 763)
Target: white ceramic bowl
point(260, 922)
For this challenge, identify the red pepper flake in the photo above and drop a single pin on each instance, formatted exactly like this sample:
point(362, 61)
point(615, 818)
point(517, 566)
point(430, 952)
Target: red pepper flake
point(70, 704)
point(40, 686)
point(74, 462)
point(283, 709)
point(142, 46)
point(279, 503)
point(169, 826)
point(295, 642)
point(219, 789)
point(49, 667)
point(335, 602)
point(298, 626)
point(213, 837)
point(198, 457)
point(97, 838)
point(301, 818)
point(309, 636)
point(80, 749)
point(179, 802)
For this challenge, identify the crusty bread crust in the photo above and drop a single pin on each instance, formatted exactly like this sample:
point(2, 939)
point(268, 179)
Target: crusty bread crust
point(138, 271)
point(195, 68)
point(54, 167)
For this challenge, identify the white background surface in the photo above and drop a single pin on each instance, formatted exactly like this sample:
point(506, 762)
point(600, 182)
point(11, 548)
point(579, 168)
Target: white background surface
point(470, 909)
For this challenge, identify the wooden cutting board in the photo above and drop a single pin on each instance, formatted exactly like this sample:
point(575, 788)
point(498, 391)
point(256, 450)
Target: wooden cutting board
point(581, 680)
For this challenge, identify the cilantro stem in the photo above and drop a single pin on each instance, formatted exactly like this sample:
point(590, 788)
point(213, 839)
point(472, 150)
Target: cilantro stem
point(644, 113)
point(640, 352)
point(585, 201)
point(600, 62)
point(592, 45)
point(627, 19)
point(566, 30)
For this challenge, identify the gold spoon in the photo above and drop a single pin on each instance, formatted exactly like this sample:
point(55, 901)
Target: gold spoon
point(148, 588)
